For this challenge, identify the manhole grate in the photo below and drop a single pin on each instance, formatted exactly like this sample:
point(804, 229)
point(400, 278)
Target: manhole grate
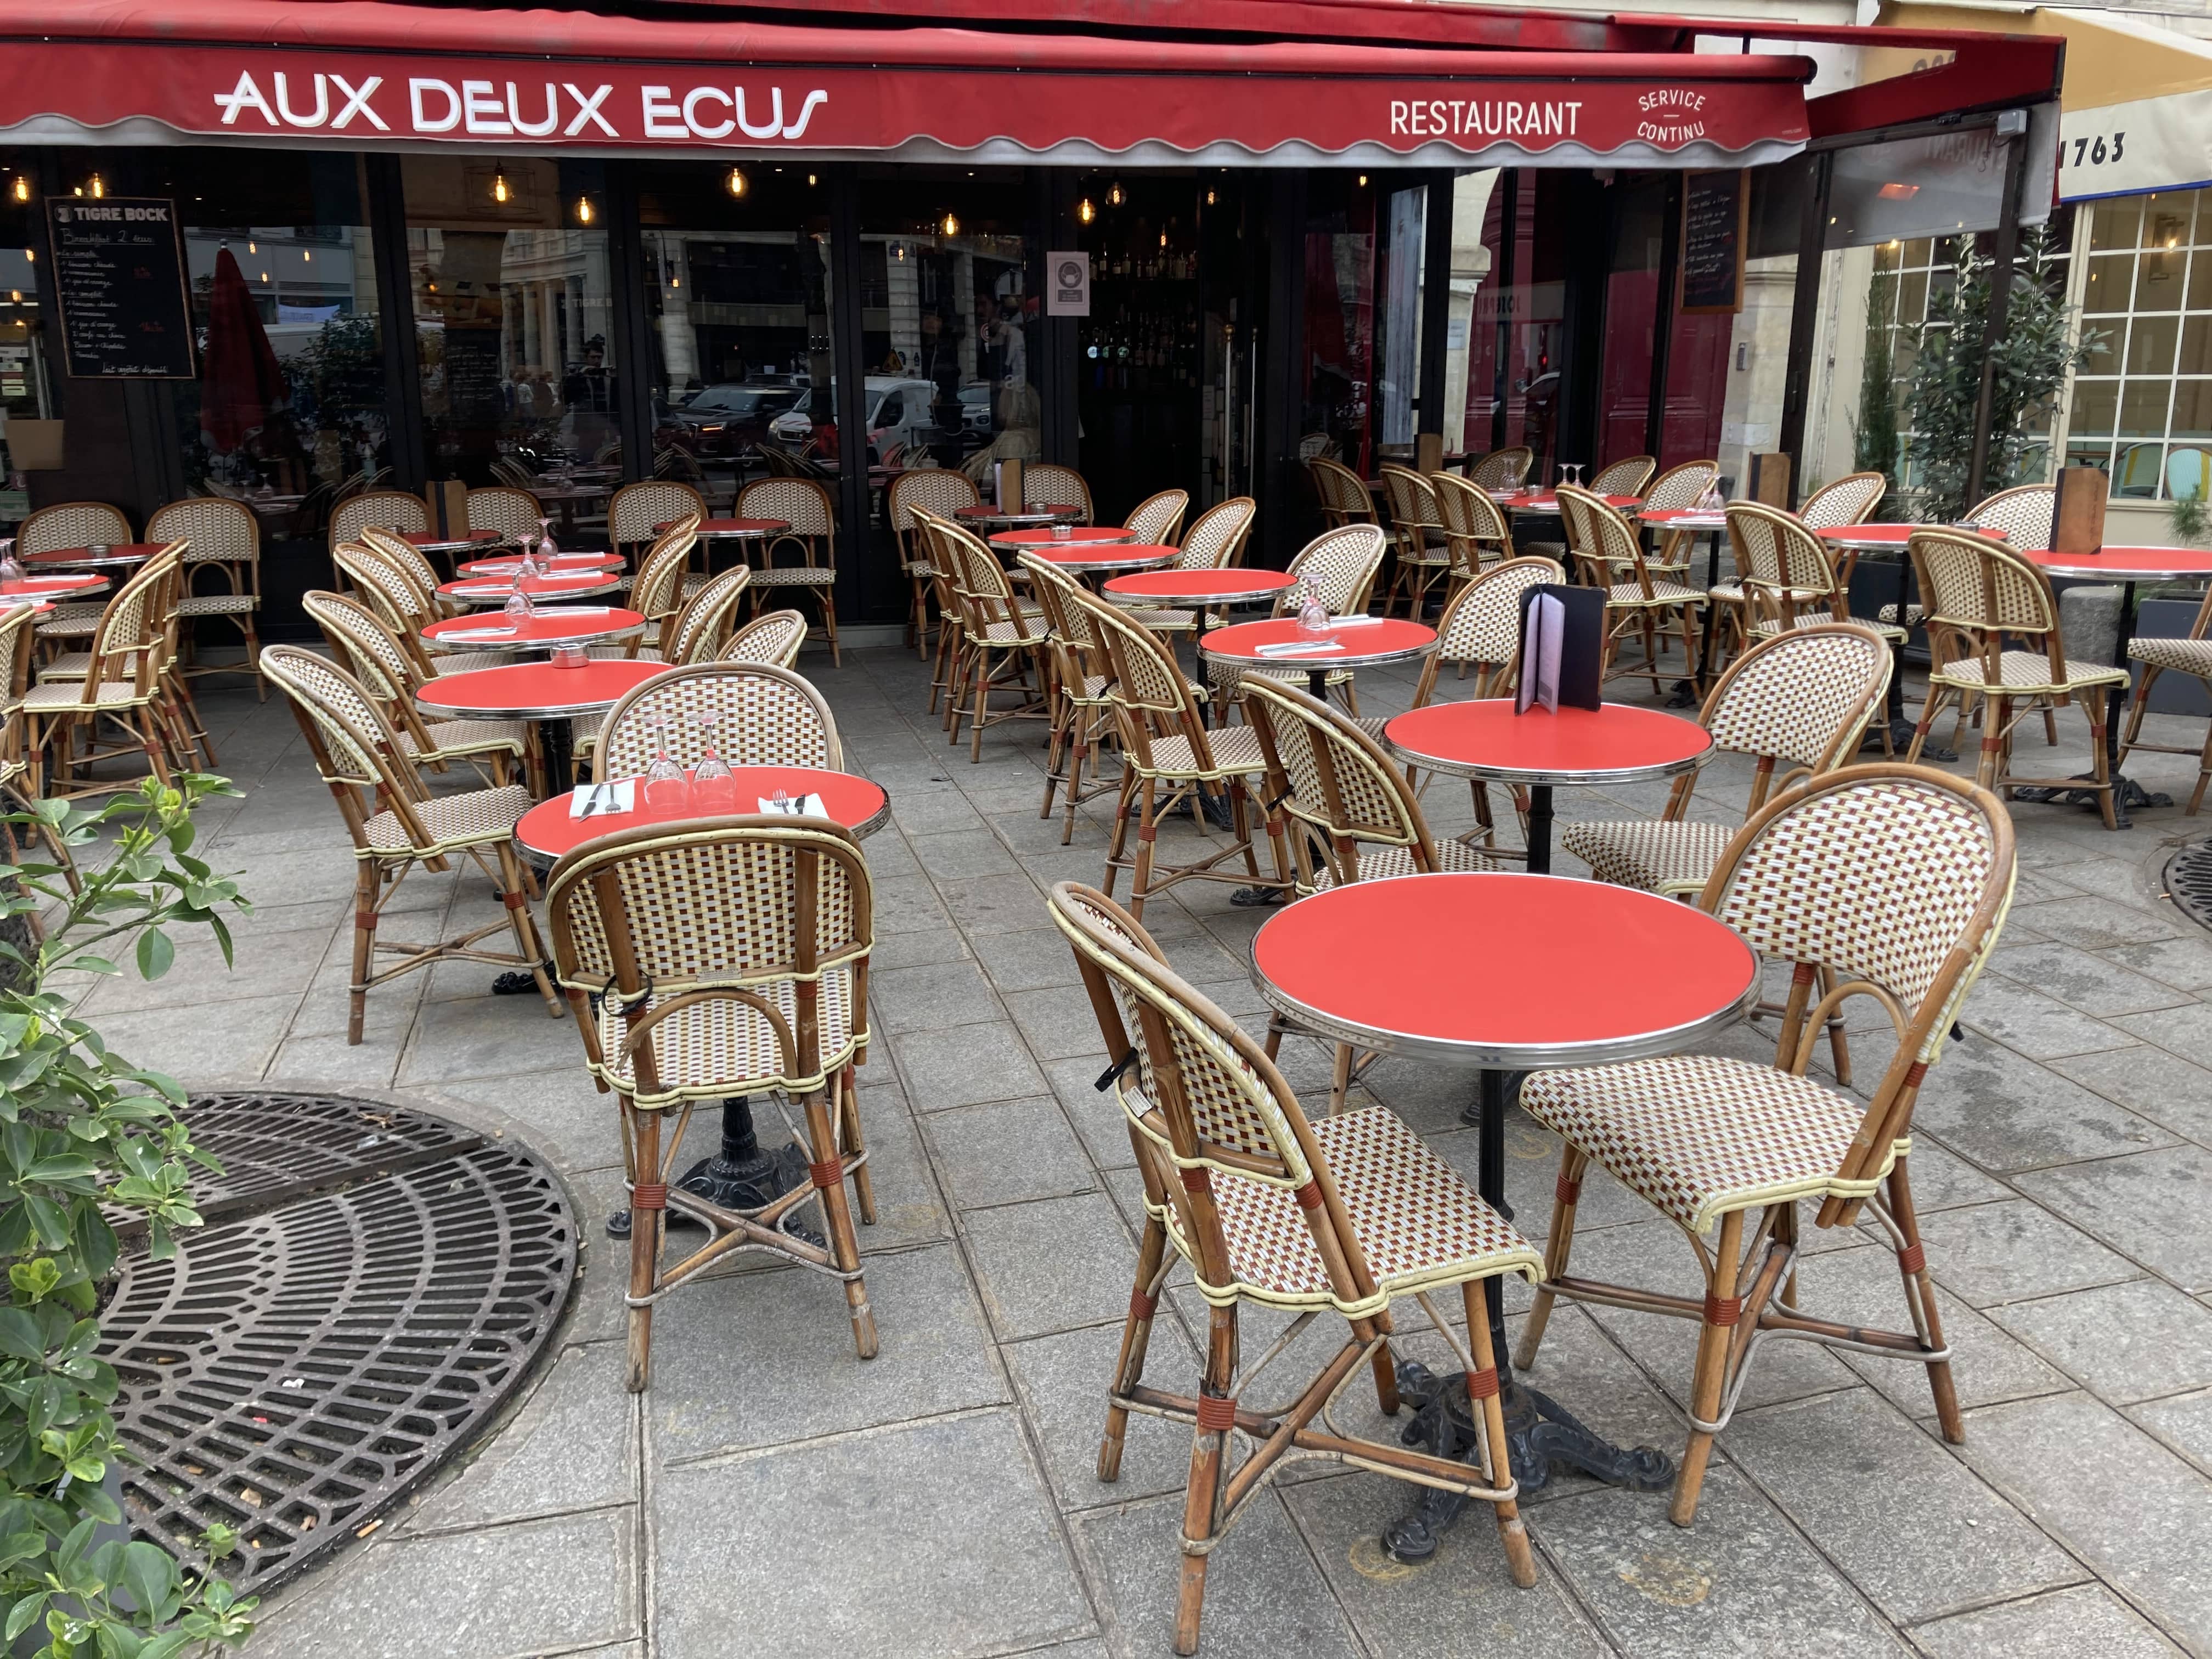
point(298, 1366)
point(2189, 881)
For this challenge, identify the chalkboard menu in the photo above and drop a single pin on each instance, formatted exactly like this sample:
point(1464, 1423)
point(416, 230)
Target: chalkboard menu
point(120, 284)
point(1716, 223)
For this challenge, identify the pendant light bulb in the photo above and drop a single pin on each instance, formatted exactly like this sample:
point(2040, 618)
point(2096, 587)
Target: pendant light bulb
point(1209, 198)
point(99, 189)
point(811, 181)
point(736, 181)
point(951, 227)
point(1114, 194)
point(1086, 211)
point(499, 191)
point(22, 187)
point(583, 210)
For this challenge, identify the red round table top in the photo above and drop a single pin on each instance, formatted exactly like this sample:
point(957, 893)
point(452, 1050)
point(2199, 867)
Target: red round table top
point(114, 553)
point(535, 691)
point(1614, 743)
point(494, 590)
point(731, 527)
point(1391, 640)
point(30, 602)
point(561, 564)
point(546, 832)
point(554, 625)
point(2129, 564)
point(1869, 535)
point(1154, 586)
point(1505, 970)
point(1061, 538)
point(1037, 515)
point(1114, 555)
point(40, 587)
point(1685, 517)
point(1543, 500)
point(431, 541)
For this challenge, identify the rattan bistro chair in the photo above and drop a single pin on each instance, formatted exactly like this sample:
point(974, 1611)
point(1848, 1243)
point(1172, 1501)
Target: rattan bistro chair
point(1676, 491)
point(1424, 555)
point(1343, 1216)
point(1215, 542)
point(1980, 591)
point(940, 489)
point(121, 681)
point(773, 637)
point(1604, 544)
point(1343, 493)
point(1155, 520)
point(1626, 476)
point(2023, 513)
point(1893, 882)
point(729, 957)
point(70, 525)
point(1340, 567)
point(512, 511)
point(1476, 533)
point(763, 716)
point(396, 824)
point(1003, 641)
point(1083, 711)
point(224, 538)
point(395, 510)
point(2189, 655)
point(804, 505)
point(1167, 755)
point(1849, 500)
point(1046, 484)
point(636, 511)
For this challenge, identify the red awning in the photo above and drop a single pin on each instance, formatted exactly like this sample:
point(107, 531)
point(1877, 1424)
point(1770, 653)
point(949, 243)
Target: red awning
point(364, 74)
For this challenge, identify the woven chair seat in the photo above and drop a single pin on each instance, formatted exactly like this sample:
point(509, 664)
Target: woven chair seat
point(793, 575)
point(218, 605)
point(584, 732)
point(1004, 633)
point(1165, 621)
point(1236, 754)
point(1914, 614)
point(452, 823)
point(1699, 1135)
point(1663, 592)
point(1377, 863)
point(68, 622)
point(2189, 656)
point(465, 662)
point(1224, 677)
point(1732, 593)
point(1417, 1222)
point(1653, 857)
point(721, 1046)
point(49, 695)
point(69, 666)
point(2027, 670)
point(452, 738)
point(1766, 628)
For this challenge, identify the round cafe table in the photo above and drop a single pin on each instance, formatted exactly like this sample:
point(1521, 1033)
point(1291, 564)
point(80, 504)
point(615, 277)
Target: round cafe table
point(1362, 645)
point(740, 1176)
point(1546, 502)
point(738, 530)
point(430, 541)
point(494, 590)
point(539, 691)
point(1095, 535)
point(565, 498)
point(1464, 970)
point(991, 517)
point(117, 556)
point(1091, 558)
point(561, 564)
point(59, 586)
point(1487, 740)
point(554, 625)
point(1199, 589)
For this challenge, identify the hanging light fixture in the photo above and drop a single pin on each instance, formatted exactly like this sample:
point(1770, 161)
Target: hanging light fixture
point(499, 189)
point(736, 181)
point(22, 187)
point(811, 181)
point(1086, 211)
point(99, 188)
point(251, 248)
point(1114, 194)
point(1363, 181)
point(1209, 198)
point(584, 209)
point(951, 227)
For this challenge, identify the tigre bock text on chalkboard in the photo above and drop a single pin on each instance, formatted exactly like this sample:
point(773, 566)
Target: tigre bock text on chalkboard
point(119, 282)
point(1714, 212)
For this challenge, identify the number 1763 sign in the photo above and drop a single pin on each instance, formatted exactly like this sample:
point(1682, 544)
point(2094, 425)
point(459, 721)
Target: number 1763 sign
point(2123, 149)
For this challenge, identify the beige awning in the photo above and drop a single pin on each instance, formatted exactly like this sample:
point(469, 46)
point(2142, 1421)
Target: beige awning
point(2136, 105)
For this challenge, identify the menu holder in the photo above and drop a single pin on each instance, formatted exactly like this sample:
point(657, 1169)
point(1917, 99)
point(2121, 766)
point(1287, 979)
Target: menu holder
point(1562, 643)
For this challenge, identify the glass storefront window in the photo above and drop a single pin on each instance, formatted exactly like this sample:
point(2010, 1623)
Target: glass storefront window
point(27, 392)
point(1518, 320)
point(2147, 320)
point(513, 314)
point(1365, 247)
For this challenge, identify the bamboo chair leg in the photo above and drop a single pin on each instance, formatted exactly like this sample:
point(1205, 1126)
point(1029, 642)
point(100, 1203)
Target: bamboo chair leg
point(2092, 705)
point(1920, 1288)
point(2136, 707)
point(1120, 840)
point(1839, 1044)
point(1136, 1339)
point(2203, 775)
point(1147, 831)
point(1709, 1384)
point(1339, 1081)
point(1988, 765)
point(1055, 747)
point(513, 892)
point(1566, 1192)
point(364, 947)
point(1930, 706)
point(1078, 752)
point(844, 1247)
point(1240, 819)
point(1209, 1463)
point(646, 1222)
point(1484, 1403)
point(848, 1125)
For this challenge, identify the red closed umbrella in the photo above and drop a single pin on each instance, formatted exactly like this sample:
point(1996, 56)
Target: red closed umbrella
point(240, 376)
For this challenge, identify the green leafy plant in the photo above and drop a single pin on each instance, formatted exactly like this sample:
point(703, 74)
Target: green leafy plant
point(1874, 428)
point(86, 1137)
point(2029, 364)
point(2186, 517)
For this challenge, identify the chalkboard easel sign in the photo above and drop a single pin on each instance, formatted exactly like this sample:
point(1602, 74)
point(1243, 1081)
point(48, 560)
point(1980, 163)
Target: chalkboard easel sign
point(1716, 225)
point(119, 285)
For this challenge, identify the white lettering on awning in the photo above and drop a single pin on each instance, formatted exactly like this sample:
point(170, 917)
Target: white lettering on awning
point(535, 129)
point(244, 96)
point(358, 101)
point(815, 99)
point(663, 118)
point(692, 99)
point(322, 103)
point(485, 113)
point(588, 109)
point(1485, 118)
point(774, 127)
point(416, 91)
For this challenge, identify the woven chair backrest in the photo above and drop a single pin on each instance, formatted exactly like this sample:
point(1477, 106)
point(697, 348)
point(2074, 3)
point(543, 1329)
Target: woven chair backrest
point(72, 524)
point(802, 503)
point(355, 633)
point(1597, 533)
point(1804, 697)
point(1969, 581)
point(657, 591)
point(1044, 485)
point(1466, 510)
point(388, 590)
point(512, 512)
point(745, 901)
point(2023, 513)
point(132, 624)
point(1340, 566)
point(1624, 477)
point(1338, 779)
point(1502, 469)
point(381, 509)
point(1156, 518)
point(1681, 487)
point(398, 551)
point(1483, 622)
point(219, 532)
point(704, 622)
point(1413, 502)
point(638, 507)
point(1146, 683)
point(1068, 622)
point(15, 635)
point(1894, 874)
point(1216, 538)
point(774, 636)
point(986, 597)
point(1774, 550)
point(1848, 500)
point(353, 745)
point(940, 489)
point(764, 716)
point(1341, 488)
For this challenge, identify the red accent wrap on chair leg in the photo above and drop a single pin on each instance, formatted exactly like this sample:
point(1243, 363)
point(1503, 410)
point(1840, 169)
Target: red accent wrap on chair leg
point(649, 1195)
point(1142, 1306)
point(1802, 974)
point(1308, 1196)
point(365, 919)
point(1913, 1259)
point(1566, 1191)
point(1216, 1413)
point(1723, 1310)
point(1147, 832)
point(827, 1173)
point(515, 901)
point(1481, 1385)
point(1916, 1073)
point(1196, 1181)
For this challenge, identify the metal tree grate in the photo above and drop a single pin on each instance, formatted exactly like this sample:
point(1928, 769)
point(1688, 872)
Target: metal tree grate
point(2189, 881)
point(295, 1369)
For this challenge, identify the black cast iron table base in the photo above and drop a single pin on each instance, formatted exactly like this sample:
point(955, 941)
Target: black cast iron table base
point(1900, 741)
point(740, 1176)
point(2127, 794)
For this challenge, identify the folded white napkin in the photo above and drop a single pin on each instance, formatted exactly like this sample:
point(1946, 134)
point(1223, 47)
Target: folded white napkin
point(480, 633)
point(1357, 619)
point(1297, 648)
point(620, 796)
point(798, 806)
point(559, 612)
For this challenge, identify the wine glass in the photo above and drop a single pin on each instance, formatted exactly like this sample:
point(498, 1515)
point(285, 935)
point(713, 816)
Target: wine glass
point(518, 607)
point(712, 783)
point(666, 789)
point(10, 571)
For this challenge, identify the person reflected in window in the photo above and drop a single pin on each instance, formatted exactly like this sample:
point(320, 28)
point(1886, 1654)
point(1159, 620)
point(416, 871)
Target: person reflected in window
point(589, 393)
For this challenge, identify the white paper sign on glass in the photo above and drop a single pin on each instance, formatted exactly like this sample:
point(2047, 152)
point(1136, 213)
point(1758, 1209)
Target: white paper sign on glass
point(1067, 284)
